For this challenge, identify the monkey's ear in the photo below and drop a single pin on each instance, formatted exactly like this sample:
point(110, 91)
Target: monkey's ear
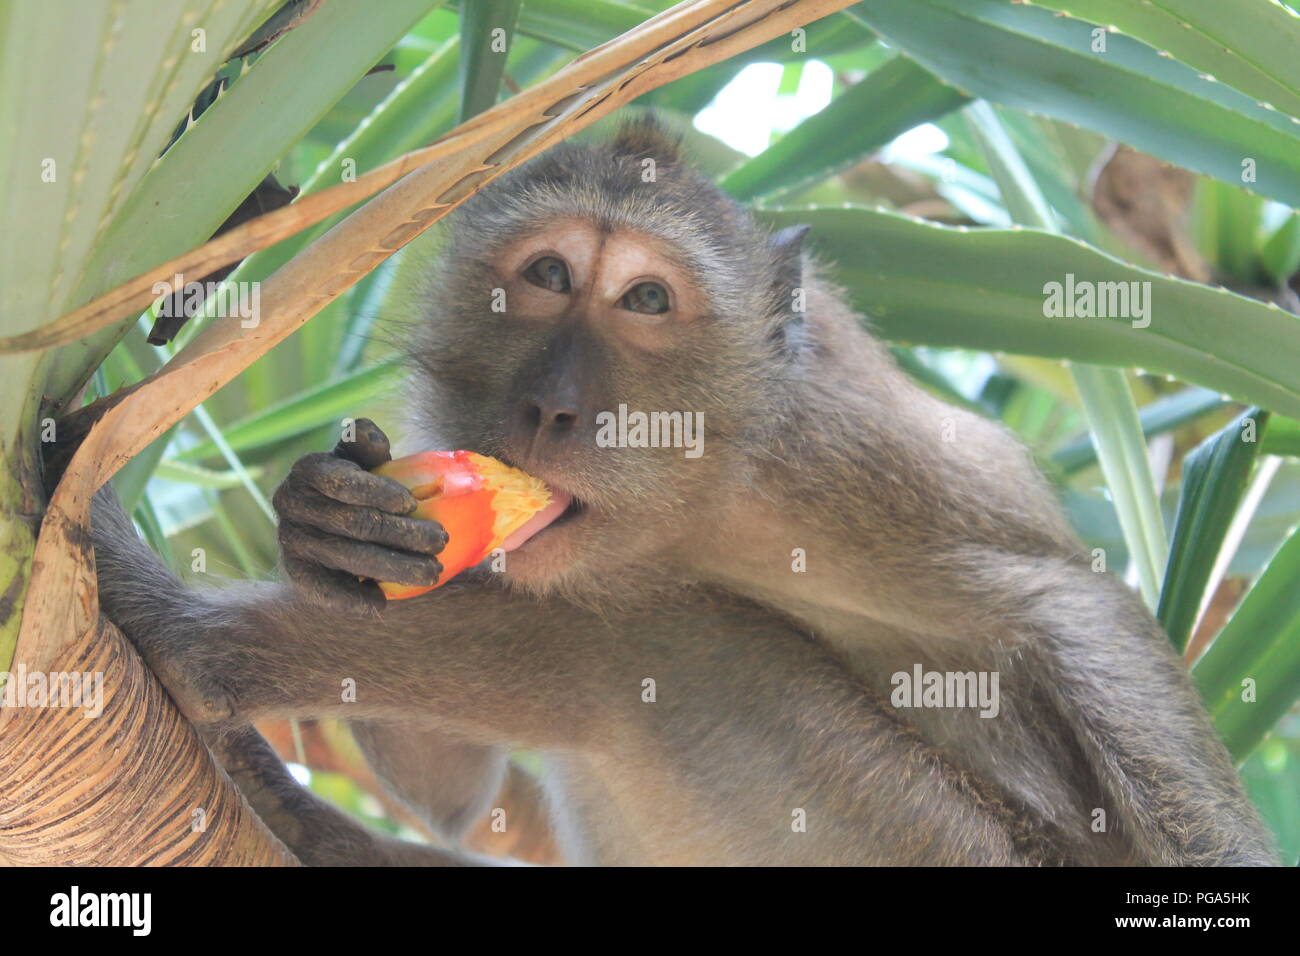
point(786, 247)
point(648, 136)
point(787, 263)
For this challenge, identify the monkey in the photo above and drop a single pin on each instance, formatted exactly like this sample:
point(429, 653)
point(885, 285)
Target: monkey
point(708, 652)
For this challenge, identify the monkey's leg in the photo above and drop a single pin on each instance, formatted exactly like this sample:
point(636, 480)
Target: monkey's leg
point(1127, 698)
point(318, 833)
point(447, 782)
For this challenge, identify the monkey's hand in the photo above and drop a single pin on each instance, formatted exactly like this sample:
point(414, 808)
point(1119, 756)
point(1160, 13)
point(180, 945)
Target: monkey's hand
point(340, 524)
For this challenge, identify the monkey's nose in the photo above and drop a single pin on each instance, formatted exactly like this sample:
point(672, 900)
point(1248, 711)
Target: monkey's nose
point(550, 416)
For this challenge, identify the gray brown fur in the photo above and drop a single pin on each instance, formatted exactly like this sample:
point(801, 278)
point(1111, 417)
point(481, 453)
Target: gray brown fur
point(772, 686)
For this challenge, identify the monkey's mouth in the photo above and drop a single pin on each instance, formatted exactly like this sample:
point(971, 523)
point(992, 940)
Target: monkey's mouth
point(561, 509)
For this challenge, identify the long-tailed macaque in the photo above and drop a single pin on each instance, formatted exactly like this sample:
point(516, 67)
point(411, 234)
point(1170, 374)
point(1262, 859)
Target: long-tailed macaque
point(818, 617)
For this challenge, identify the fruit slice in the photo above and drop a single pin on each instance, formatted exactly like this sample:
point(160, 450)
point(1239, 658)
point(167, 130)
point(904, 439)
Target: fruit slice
point(482, 504)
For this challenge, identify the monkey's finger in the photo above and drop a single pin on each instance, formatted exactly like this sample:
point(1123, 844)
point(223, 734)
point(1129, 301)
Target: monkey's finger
point(343, 480)
point(335, 590)
point(309, 507)
point(360, 557)
point(368, 447)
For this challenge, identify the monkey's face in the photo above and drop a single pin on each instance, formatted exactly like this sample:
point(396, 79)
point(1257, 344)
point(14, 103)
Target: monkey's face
point(602, 359)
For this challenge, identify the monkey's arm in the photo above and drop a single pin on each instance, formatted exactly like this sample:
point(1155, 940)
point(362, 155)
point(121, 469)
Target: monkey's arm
point(261, 649)
point(760, 718)
point(140, 593)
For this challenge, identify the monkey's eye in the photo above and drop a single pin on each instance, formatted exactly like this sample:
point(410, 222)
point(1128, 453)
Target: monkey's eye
point(549, 273)
point(648, 297)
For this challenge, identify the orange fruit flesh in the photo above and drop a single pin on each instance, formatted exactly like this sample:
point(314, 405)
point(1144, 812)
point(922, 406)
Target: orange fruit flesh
point(478, 500)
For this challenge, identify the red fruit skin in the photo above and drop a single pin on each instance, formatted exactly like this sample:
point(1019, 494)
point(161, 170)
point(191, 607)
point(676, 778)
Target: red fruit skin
point(467, 519)
point(450, 492)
